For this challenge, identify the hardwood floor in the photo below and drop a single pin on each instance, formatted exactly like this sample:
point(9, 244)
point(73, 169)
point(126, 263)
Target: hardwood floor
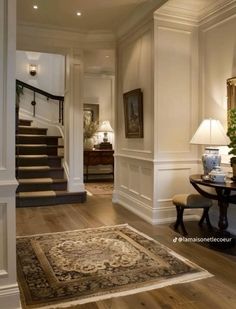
point(215, 292)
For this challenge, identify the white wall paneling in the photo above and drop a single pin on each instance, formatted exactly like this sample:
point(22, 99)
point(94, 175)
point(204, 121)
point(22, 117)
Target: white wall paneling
point(73, 161)
point(3, 247)
point(176, 89)
point(218, 63)
point(133, 160)
point(9, 292)
point(135, 70)
point(134, 185)
point(172, 178)
point(175, 113)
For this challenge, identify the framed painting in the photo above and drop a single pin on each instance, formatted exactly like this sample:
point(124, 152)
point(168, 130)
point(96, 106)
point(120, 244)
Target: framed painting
point(91, 113)
point(133, 112)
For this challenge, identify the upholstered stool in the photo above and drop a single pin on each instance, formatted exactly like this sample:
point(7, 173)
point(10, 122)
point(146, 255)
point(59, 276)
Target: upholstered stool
point(187, 201)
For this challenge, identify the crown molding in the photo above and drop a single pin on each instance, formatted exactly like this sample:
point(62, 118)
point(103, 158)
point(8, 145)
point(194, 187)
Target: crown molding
point(176, 13)
point(139, 16)
point(63, 37)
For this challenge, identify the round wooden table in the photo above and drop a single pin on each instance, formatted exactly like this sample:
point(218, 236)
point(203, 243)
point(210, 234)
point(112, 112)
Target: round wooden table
point(225, 193)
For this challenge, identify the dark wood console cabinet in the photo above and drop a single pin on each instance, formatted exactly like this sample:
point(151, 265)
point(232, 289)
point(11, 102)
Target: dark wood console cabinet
point(97, 157)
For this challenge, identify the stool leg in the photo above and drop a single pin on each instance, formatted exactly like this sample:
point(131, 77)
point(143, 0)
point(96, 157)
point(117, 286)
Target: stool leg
point(208, 220)
point(178, 217)
point(182, 222)
point(205, 215)
point(179, 220)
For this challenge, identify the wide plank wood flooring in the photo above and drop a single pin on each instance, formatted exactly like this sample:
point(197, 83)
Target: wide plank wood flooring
point(218, 292)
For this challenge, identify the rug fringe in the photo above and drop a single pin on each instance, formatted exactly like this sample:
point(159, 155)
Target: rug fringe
point(178, 280)
point(80, 230)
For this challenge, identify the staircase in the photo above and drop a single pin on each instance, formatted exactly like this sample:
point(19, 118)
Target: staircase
point(39, 169)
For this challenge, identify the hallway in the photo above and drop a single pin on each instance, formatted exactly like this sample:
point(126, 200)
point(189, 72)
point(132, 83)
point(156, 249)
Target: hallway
point(217, 292)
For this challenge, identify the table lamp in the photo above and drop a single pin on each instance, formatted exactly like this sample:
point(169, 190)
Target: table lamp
point(105, 127)
point(210, 133)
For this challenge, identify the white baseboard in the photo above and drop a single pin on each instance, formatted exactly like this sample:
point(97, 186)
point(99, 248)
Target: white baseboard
point(10, 297)
point(137, 207)
point(73, 185)
point(153, 216)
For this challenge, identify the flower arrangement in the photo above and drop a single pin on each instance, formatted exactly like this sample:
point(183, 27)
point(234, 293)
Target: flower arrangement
point(90, 128)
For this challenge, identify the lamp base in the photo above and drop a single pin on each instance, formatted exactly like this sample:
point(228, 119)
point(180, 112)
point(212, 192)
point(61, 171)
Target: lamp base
point(210, 159)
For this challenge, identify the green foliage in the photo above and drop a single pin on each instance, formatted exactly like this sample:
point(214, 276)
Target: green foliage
point(90, 128)
point(232, 130)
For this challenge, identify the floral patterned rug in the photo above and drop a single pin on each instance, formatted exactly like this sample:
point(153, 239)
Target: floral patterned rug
point(59, 270)
point(100, 188)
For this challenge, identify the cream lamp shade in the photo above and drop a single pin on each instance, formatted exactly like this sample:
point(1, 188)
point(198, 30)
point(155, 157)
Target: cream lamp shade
point(105, 127)
point(211, 133)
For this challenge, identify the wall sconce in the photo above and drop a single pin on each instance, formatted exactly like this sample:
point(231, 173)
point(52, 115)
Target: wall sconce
point(33, 69)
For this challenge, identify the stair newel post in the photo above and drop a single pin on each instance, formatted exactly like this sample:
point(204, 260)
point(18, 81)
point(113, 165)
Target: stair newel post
point(62, 112)
point(33, 103)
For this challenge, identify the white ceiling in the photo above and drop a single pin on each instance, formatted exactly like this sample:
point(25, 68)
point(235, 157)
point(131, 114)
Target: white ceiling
point(103, 15)
point(97, 15)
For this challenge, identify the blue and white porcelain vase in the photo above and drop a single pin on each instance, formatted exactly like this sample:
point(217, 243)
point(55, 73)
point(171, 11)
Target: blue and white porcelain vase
point(210, 159)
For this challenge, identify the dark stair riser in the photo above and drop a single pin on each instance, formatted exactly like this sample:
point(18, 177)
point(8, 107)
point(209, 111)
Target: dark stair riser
point(24, 122)
point(53, 162)
point(29, 130)
point(36, 136)
point(31, 187)
point(54, 200)
point(52, 151)
point(28, 139)
point(56, 174)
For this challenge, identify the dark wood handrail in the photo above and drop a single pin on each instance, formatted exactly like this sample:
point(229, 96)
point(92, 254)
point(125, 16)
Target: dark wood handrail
point(37, 90)
point(48, 95)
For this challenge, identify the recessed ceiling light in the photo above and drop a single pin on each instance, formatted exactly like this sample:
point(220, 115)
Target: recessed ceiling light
point(107, 56)
point(78, 13)
point(35, 7)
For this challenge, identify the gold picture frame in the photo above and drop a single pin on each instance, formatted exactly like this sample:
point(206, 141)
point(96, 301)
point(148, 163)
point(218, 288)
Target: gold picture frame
point(133, 113)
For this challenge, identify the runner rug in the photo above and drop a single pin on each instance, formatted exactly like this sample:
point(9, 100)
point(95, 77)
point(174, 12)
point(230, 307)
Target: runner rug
point(59, 270)
point(99, 188)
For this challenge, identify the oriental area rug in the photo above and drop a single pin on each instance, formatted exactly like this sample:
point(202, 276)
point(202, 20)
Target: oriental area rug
point(60, 270)
point(99, 188)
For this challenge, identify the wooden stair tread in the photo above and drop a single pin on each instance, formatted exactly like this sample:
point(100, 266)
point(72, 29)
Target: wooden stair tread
point(37, 156)
point(40, 180)
point(31, 127)
point(39, 135)
point(32, 156)
point(37, 194)
point(40, 173)
point(39, 145)
point(42, 168)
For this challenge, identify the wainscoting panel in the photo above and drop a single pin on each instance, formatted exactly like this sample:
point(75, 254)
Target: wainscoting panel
point(133, 185)
point(134, 178)
point(172, 179)
point(3, 247)
point(3, 78)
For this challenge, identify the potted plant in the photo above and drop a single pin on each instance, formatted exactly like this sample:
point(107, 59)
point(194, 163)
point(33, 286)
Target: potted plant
point(231, 132)
point(90, 128)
